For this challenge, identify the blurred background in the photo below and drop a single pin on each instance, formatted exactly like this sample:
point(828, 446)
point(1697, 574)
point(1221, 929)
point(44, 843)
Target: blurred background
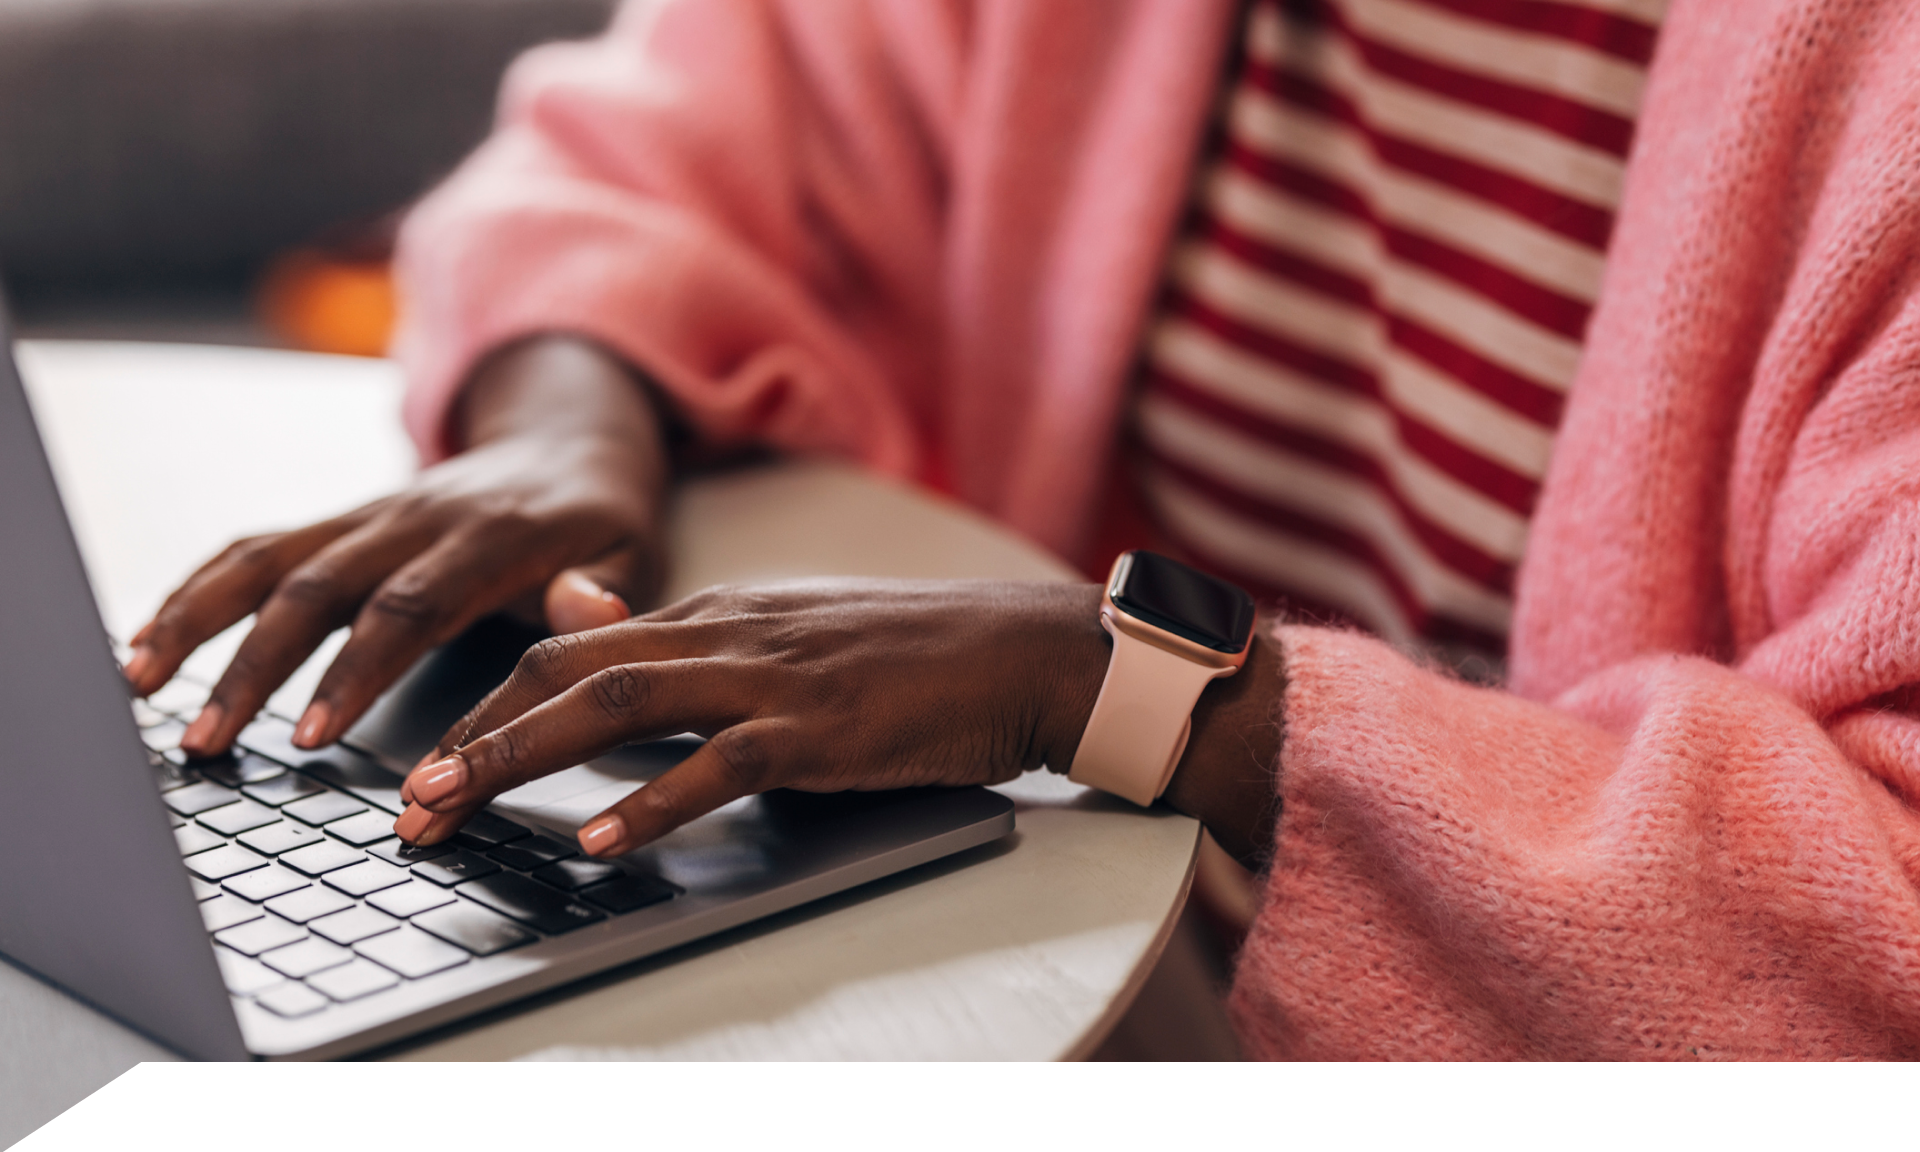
point(229, 170)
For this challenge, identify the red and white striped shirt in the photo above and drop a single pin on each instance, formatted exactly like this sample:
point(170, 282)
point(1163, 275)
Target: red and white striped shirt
point(1370, 325)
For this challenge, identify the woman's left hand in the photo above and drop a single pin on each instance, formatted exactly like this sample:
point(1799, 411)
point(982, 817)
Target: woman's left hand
point(823, 686)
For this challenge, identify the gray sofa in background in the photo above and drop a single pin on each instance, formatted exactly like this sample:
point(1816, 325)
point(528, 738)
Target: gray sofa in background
point(170, 146)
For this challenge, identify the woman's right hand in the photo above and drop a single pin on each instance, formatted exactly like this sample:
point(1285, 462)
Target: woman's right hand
point(557, 502)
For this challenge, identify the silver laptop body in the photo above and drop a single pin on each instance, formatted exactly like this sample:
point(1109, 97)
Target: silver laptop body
point(96, 896)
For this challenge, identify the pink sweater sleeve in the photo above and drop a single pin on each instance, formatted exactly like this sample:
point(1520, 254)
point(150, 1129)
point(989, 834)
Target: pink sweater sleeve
point(742, 196)
point(1690, 830)
point(1672, 860)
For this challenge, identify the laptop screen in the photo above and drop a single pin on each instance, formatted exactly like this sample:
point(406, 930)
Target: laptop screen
point(94, 898)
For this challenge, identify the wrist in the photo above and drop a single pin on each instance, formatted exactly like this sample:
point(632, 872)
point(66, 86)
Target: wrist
point(561, 388)
point(1228, 776)
point(1078, 651)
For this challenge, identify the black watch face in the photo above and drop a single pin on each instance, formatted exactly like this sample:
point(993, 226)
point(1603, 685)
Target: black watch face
point(1189, 604)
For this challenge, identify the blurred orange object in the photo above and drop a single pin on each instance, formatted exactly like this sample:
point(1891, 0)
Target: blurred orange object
point(324, 302)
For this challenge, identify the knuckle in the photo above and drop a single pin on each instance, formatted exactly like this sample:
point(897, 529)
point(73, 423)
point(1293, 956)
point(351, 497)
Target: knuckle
point(546, 663)
point(410, 602)
point(500, 754)
point(310, 586)
point(621, 691)
point(713, 598)
point(252, 552)
point(745, 756)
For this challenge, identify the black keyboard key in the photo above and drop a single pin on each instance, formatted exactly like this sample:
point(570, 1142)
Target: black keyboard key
point(169, 775)
point(221, 863)
point(629, 893)
point(484, 830)
point(193, 838)
point(146, 716)
point(265, 883)
point(410, 899)
point(361, 775)
point(164, 736)
point(319, 859)
point(474, 928)
point(224, 912)
point(455, 867)
point(238, 771)
point(272, 737)
point(291, 1000)
point(233, 819)
point(574, 875)
point(353, 980)
point(364, 877)
point(305, 958)
point(411, 952)
point(394, 851)
point(258, 936)
point(283, 789)
point(324, 808)
point(534, 851)
point(309, 903)
point(354, 924)
point(244, 977)
point(283, 836)
point(534, 905)
point(197, 798)
point(369, 827)
point(180, 696)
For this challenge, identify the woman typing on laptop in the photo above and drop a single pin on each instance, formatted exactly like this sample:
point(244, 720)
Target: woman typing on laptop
point(931, 238)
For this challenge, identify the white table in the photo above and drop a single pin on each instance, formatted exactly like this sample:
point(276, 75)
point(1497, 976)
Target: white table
point(165, 452)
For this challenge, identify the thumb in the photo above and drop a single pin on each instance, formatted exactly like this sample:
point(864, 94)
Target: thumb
point(579, 599)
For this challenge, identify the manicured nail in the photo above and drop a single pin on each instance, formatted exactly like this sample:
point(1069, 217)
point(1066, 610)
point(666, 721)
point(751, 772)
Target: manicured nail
point(313, 725)
point(138, 665)
point(602, 835)
point(412, 823)
point(438, 781)
point(199, 734)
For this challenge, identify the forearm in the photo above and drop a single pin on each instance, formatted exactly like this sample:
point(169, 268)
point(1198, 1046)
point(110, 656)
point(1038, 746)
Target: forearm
point(565, 387)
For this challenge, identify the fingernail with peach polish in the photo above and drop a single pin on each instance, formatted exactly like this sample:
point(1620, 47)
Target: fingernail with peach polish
point(138, 664)
point(313, 725)
point(438, 781)
point(601, 835)
point(412, 823)
point(204, 728)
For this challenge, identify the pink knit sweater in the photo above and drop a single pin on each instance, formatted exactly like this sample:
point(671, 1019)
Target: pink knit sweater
point(903, 231)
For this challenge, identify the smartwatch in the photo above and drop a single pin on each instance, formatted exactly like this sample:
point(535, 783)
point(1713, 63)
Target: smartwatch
point(1175, 630)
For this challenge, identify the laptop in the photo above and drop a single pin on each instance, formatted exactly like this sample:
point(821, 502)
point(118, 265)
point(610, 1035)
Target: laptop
point(258, 905)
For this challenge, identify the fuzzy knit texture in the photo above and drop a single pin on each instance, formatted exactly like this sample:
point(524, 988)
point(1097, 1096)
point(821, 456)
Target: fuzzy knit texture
point(1688, 830)
point(925, 234)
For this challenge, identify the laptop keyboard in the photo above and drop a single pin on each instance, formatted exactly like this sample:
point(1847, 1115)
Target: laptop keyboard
point(310, 899)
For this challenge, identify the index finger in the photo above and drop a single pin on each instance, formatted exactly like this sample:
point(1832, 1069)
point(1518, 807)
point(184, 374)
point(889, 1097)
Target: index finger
point(614, 706)
point(219, 595)
point(554, 666)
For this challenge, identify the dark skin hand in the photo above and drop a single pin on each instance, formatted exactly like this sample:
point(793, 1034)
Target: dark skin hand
point(554, 506)
point(834, 685)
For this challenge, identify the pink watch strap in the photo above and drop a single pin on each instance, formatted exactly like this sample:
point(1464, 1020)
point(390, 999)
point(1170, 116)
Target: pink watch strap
point(1141, 720)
